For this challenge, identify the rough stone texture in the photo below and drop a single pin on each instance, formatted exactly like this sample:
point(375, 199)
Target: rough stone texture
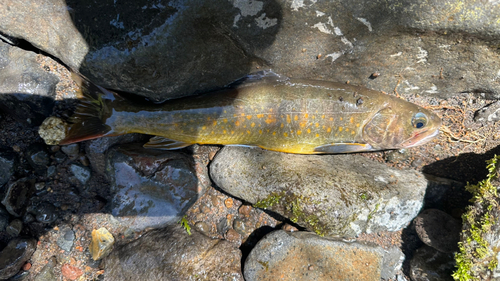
point(172, 254)
point(26, 90)
point(438, 230)
point(7, 164)
point(158, 49)
point(12, 257)
point(47, 25)
point(17, 196)
point(284, 255)
point(151, 187)
point(392, 263)
point(428, 264)
point(331, 194)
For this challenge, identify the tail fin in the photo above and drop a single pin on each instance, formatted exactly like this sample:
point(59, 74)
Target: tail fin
point(88, 120)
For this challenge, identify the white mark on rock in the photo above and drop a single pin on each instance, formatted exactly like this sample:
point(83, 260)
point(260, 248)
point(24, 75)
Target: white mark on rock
point(264, 22)
point(365, 22)
point(381, 179)
point(444, 46)
point(323, 28)
point(410, 86)
point(296, 4)
point(498, 75)
point(396, 55)
point(236, 19)
point(347, 42)
point(337, 31)
point(117, 23)
point(422, 55)
point(320, 14)
point(433, 90)
point(248, 7)
point(334, 56)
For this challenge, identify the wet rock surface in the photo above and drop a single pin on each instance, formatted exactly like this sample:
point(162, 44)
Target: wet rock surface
point(173, 254)
point(307, 256)
point(151, 187)
point(14, 255)
point(363, 195)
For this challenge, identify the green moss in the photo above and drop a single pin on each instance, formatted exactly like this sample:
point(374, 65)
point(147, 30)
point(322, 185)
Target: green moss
point(184, 222)
point(270, 201)
point(370, 215)
point(265, 264)
point(475, 255)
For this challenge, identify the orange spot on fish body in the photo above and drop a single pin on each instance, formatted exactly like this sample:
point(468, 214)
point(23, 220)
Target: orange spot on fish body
point(288, 120)
point(204, 127)
point(260, 115)
point(282, 125)
point(214, 123)
point(347, 129)
point(232, 132)
point(331, 118)
point(285, 134)
point(299, 132)
point(260, 132)
point(308, 130)
point(351, 120)
point(357, 125)
point(274, 133)
point(323, 116)
point(328, 130)
point(249, 117)
point(242, 114)
point(340, 129)
point(224, 131)
point(306, 115)
point(353, 132)
point(341, 118)
point(296, 117)
point(252, 125)
point(209, 118)
point(270, 119)
point(248, 132)
point(303, 124)
point(317, 135)
point(236, 123)
point(225, 120)
point(317, 125)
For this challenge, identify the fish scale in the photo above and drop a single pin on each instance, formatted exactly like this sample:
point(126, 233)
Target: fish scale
point(288, 115)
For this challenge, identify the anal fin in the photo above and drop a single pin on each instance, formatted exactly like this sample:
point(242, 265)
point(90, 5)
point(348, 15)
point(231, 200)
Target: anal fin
point(343, 148)
point(158, 142)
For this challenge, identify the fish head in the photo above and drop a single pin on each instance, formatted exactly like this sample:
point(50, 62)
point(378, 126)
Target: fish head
point(400, 126)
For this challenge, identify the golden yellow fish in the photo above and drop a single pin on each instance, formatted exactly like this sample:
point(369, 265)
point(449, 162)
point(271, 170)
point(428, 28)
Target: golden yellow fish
point(264, 110)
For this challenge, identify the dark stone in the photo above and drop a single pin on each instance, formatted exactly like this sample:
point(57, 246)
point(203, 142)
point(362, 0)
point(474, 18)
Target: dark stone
point(45, 213)
point(72, 150)
point(438, 230)
point(7, 165)
point(428, 264)
point(17, 196)
point(14, 228)
point(12, 257)
point(38, 157)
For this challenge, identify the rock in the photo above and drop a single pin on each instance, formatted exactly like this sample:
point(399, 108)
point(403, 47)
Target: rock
point(14, 228)
point(489, 113)
point(7, 164)
point(101, 244)
point(38, 157)
point(26, 90)
point(81, 173)
point(46, 24)
point(147, 48)
point(47, 272)
point(438, 230)
point(151, 187)
point(429, 264)
point(4, 218)
point(172, 254)
point(96, 149)
point(306, 256)
point(71, 272)
point(66, 238)
point(72, 150)
point(13, 257)
point(392, 263)
point(45, 213)
point(341, 195)
point(17, 196)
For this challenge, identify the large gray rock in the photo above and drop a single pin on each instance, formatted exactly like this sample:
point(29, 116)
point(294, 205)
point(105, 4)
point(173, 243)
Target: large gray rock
point(47, 25)
point(151, 188)
point(331, 194)
point(26, 90)
point(301, 255)
point(14, 255)
point(172, 48)
point(172, 254)
point(438, 230)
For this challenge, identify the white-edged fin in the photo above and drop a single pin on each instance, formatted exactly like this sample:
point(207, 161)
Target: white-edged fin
point(264, 76)
point(343, 148)
point(158, 142)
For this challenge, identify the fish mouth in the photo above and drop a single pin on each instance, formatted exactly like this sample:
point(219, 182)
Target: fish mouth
point(423, 140)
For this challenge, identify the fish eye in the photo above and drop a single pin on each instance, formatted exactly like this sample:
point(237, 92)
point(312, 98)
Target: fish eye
point(419, 120)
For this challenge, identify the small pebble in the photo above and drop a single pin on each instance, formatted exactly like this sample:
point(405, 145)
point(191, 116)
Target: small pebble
point(215, 200)
point(205, 209)
point(211, 155)
point(71, 272)
point(101, 244)
point(245, 210)
point(39, 186)
point(71, 150)
point(84, 160)
point(239, 226)
point(289, 228)
point(27, 266)
point(202, 227)
point(228, 202)
point(232, 235)
point(310, 267)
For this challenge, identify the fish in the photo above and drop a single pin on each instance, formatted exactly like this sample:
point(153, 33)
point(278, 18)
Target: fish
point(263, 110)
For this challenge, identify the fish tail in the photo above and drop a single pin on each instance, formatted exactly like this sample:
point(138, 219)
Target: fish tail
point(88, 120)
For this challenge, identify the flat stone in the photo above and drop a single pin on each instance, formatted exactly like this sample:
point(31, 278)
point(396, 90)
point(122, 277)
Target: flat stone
point(151, 188)
point(13, 257)
point(81, 173)
point(101, 244)
point(392, 263)
point(302, 255)
point(438, 230)
point(66, 238)
point(17, 196)
point(341, 195)
point(172, 254)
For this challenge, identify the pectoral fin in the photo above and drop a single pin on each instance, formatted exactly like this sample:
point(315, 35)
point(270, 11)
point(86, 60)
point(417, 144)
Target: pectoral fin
point(343, 148)
point(164, 143)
